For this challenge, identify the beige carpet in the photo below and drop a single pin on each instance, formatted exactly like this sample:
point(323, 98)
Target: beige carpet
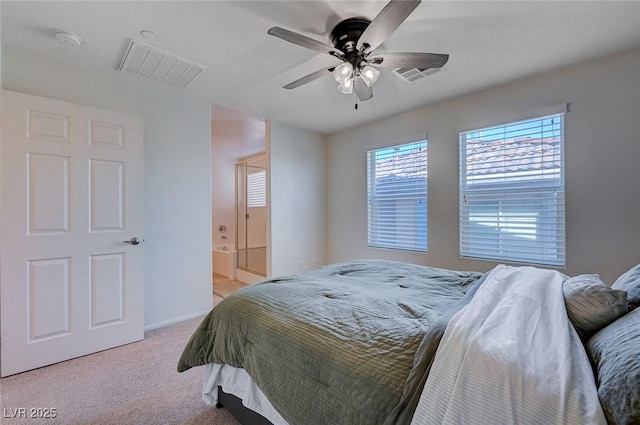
point(133, 384)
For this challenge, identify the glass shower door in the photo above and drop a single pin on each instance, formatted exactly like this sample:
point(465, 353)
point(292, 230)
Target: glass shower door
point(252, 216)
point(241, 211)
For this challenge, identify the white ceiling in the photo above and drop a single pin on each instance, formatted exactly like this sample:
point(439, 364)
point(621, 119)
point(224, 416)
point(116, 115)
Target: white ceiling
point(489, 43)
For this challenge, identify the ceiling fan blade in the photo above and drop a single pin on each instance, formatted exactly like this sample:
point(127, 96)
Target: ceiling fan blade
point(304, 41)
point(409, 60)
point(363, 91)
point(389, 18)
point(309, 78)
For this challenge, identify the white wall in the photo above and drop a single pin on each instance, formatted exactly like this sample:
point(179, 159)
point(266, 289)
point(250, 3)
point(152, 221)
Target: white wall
point(297, 199)
point(176, 173)
point(602, 179)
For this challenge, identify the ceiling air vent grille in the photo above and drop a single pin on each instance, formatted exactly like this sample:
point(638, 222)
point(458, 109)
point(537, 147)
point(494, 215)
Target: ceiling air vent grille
point(156, 65)
point(412, 75)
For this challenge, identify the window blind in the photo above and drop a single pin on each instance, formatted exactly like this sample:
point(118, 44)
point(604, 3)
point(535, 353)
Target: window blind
point(397, 197)
point(512, 196)
point(257, 189)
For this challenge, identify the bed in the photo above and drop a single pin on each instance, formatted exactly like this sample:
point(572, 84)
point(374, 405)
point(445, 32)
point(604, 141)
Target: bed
point(389, 343)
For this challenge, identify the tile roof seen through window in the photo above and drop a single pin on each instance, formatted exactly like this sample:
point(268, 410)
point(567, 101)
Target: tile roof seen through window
point(514, 155)
point(524, 154)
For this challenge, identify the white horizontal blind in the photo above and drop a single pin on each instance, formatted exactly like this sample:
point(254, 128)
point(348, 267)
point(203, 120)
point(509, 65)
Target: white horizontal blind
point(397, 197)
point(512, 204)
point(257, 189)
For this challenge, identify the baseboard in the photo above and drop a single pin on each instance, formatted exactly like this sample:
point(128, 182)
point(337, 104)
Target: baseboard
point(176, 320)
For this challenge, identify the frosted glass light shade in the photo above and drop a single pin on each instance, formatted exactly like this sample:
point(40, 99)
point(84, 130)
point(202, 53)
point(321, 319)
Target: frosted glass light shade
point(343, 72)
point(346, 87)
point(369, 75)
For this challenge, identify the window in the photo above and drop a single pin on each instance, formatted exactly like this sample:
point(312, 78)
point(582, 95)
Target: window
point(397, 197)
point(257, 189)
point(512, 192)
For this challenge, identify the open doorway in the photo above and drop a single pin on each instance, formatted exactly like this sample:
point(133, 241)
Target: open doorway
point(236, 138)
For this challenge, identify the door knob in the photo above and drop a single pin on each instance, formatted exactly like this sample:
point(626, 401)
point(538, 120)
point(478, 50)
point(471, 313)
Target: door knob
point(134, 241)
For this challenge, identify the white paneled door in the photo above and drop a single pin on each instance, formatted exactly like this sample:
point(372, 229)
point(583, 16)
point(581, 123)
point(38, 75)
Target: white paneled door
point(71, 272)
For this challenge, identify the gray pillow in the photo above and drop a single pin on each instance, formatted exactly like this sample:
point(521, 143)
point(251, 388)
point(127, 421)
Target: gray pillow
point(592, 305)
point(615, 354)
point(630, 282)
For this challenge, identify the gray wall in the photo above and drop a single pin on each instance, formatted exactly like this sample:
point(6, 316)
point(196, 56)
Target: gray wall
point(297, 164)
point(602, 133)
point(176, 173)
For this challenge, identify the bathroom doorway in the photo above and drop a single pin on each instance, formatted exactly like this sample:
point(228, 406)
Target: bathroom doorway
point(251, 215)
point(235, 138)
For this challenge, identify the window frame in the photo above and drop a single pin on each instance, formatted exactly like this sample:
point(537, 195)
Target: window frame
point(373, 230)
point(542, 189)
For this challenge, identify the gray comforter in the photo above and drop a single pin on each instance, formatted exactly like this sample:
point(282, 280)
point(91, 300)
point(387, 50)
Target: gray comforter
point(335, 345)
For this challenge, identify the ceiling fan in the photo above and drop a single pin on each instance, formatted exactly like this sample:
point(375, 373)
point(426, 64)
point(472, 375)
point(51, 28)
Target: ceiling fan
point(354, 43)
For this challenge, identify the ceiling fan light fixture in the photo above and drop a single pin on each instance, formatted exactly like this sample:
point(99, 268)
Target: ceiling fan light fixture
point(346, 87)
point(369, 75)
point(343, 72)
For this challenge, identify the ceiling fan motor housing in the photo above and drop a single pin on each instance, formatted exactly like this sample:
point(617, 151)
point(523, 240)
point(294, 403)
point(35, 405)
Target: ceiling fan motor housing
point(346, 34)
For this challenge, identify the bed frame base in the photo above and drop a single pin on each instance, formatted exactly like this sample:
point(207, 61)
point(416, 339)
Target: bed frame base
point(234, 405)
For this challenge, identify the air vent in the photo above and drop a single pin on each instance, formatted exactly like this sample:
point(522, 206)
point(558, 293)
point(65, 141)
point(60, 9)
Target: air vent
point(156, 65)
point(412, 75)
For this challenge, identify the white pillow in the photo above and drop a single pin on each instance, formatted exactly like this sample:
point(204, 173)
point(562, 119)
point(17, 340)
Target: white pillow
point(591, 304)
